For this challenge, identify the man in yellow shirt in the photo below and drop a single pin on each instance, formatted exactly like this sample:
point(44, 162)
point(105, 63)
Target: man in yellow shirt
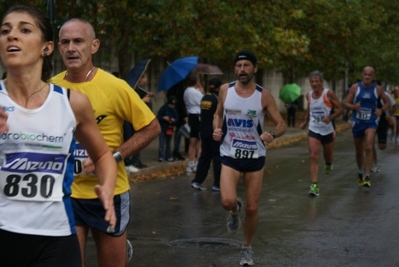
point(113, 101)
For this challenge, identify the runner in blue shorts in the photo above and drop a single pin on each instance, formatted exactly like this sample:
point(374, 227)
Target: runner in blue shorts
point(362, 99)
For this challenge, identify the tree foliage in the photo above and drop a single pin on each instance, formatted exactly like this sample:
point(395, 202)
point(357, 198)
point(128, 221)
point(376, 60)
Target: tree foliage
point(291, 36)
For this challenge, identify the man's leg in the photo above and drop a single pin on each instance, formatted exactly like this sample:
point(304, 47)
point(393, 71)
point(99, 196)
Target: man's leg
point(228, 187)
point(253, 188)
point(111, 251)
point(176, 141)
point(368, 146)
point(204, 162)
point(215, 147)
point(328, 150)
point(81, 232)
point(397, 129)
point(359, 146)
point(314, 149)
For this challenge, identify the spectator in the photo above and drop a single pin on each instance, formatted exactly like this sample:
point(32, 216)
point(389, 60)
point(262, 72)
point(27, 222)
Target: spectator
point(192, 99)
point(167, 116)
point(291, 112)
point(178, 92)
point(209, 147)
point(133, 163)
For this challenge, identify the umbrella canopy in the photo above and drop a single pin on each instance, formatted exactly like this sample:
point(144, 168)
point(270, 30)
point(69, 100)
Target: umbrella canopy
point(133, 77)
point(290, 92)
point(176, 72)
point(208, 69)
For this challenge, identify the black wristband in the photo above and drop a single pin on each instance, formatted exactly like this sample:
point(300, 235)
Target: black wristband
point(117, 156)
point(273, 134)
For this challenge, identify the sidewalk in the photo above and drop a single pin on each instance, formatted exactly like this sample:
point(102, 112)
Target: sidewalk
point(155, 169)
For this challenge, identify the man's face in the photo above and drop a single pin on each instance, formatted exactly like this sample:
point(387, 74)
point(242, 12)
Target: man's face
point(76, 45)
point(368, 75)
point(316, 83)
point(245, 71)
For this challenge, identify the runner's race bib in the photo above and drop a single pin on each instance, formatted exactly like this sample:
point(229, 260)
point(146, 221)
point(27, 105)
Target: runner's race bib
point(244, 149)
point(80, 155)
point(33, 176)
point(317, 116)
point(363, 114)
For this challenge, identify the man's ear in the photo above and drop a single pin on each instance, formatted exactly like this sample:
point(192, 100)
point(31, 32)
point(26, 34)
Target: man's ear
point(95, 46)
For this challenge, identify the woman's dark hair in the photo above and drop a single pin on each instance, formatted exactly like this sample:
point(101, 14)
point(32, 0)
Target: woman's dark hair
point(43, 22)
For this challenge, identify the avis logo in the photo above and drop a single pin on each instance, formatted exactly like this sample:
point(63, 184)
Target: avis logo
point(240, 123)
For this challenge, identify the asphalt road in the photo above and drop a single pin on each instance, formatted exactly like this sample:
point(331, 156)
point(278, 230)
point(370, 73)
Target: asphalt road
point(347, 225)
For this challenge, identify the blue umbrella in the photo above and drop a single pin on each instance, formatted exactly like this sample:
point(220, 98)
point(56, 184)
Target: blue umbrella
point(133, 77)
point(176, 72)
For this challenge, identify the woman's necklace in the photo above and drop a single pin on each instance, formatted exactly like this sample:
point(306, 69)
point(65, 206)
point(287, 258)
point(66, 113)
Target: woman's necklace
point(26, 100)
point(87, 75)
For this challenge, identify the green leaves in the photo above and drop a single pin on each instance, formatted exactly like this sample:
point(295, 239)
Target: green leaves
point(293, 36)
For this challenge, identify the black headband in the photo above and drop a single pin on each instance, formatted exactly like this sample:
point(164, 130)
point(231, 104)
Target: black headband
point(245, 55)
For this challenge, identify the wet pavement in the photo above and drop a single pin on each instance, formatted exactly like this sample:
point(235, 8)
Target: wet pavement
point(347, 225)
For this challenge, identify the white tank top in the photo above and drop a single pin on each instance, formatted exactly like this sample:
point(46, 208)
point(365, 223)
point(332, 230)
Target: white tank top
point(37, 167)
point(319, 108)
point(242, 125)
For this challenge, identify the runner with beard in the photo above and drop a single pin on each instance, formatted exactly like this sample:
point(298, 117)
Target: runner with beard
point(238, 124)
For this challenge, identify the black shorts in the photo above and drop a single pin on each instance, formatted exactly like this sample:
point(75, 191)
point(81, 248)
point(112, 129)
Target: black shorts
point(194, 123)
point(33, 250)
point(90, 212)
point(324, 139)
point(382, 132)
point(244, 165)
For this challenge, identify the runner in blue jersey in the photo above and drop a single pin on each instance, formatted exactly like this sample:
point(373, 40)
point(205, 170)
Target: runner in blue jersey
point(362, 99)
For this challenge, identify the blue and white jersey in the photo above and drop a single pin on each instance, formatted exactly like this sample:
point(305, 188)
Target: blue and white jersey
point(368, 104)
point(242, 125)
point(36, 166)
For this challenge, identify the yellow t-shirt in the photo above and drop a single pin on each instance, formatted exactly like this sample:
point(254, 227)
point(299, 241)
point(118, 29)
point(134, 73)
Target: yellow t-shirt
point(113, 101)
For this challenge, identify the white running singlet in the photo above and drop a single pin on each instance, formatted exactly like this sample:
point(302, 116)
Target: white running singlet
point(36, 170)
point(242, 125)
point(319, 108)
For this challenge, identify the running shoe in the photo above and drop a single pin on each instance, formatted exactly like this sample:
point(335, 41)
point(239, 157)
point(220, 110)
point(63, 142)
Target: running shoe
point(366, 182)
point(191, 167)
point(328, 168)
point(198, 186)
point(375, 168)
point(233, 220)
point(314, 190)
point(129, 250)
point(360, 179)
point(131, 169)
point(246, 257)
point(215, 188)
